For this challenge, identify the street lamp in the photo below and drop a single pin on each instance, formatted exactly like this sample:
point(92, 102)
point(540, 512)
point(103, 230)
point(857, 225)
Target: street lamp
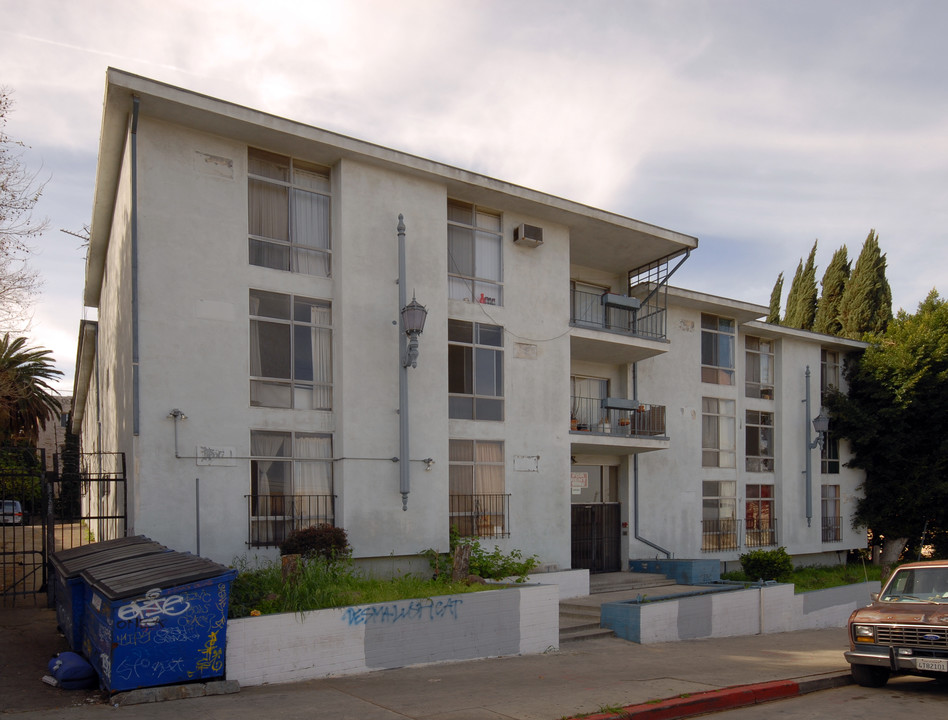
point(821, 426)
point(411, 323)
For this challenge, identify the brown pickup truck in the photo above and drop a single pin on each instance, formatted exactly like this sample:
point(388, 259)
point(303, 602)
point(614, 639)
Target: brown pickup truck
point(905, 629)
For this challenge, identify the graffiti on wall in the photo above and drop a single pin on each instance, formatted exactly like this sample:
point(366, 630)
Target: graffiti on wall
point(426, 610)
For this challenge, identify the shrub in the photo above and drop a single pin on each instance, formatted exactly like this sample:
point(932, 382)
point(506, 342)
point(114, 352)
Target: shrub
point(493, 565)
point(325, 541)
point(767, 564)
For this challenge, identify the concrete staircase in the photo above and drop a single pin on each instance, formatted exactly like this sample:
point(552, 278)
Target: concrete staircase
point(580, 617)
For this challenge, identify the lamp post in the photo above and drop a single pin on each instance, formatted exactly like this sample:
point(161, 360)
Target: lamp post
point(821, 426)
point(411, 323)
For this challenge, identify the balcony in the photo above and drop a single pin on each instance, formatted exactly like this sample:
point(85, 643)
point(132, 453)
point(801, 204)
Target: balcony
point(615, 425)
point(273, 517)
point(479, 516)
point(720, 535)
point(614, 328)
point(761, 533)
point(832, 528)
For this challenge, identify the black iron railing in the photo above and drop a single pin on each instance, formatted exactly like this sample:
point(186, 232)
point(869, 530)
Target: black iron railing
point(832, 529)
point(720, 535)
point(483, 516)
point(761, 533)
point(590, 310)
point(273, 517)
point(589, 415)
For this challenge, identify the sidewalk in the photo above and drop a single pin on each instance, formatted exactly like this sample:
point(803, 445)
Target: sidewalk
point(583, 677)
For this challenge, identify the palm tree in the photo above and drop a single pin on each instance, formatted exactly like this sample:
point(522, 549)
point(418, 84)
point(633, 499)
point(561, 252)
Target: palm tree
point(26, 399)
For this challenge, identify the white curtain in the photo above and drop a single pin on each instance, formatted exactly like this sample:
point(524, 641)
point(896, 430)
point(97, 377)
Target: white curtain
point(311, 233)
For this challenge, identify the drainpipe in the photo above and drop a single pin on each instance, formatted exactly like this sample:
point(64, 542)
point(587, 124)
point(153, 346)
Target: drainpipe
point(635, 481)
point(134, 262)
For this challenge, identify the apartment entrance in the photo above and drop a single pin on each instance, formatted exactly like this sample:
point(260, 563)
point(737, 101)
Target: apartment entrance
point(596, 525)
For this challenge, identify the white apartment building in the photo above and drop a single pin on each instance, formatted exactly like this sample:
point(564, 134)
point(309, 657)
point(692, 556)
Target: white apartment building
point(246, 357)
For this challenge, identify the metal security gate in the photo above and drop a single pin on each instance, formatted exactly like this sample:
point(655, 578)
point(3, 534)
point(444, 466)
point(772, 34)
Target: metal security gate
point(596, 534)
point(79, 499)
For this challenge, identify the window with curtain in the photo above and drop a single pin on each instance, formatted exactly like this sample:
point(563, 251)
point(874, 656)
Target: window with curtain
point(719, 523)
point(477, 504)
point(475, 371)
point(760, 524)
point(829, 370)
point(759, 441)
point(717, 349)
point(718, 434)
point(832, 523)
point(291, 484)
point(758, 368)
point(829, 455)
point(290, 351)
point(475, 254)
point(288, 214)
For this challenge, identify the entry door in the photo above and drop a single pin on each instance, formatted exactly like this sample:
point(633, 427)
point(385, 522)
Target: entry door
point(595, 519)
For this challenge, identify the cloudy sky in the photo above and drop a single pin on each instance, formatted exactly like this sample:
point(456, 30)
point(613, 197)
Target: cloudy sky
point(757, 126)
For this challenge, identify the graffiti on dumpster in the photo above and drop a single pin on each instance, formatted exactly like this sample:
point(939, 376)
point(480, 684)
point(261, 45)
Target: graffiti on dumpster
point(141, 665)
point(149, 611)
point(422, 610)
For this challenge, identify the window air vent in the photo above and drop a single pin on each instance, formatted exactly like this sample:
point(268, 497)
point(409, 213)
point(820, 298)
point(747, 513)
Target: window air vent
point(528, 235)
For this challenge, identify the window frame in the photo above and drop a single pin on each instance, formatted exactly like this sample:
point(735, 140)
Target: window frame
point(475, 361)
point(831, 524)
point(760, 520)
point(714, 446)
point(486, 230)
point(293, 385)
point(472, 511)
point(718, 338)
point(283, 511)
point(301, 180)
point(830, 370)
point(754, 423)
point(720, 525)
point(755, 385)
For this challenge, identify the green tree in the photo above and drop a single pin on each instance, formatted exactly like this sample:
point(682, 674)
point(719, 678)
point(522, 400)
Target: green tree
point(773, 316)
point(895, 417)
point(866, 304)
point(801, 300)
point(833, 283)
point(26, 399)
point(19, 193)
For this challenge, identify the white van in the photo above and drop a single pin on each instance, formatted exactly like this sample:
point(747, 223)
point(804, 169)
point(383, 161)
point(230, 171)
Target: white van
point(11, 513)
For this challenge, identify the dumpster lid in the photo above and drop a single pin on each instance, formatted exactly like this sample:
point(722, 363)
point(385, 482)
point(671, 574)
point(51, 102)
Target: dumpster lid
point(136, 576)
point(70, 564)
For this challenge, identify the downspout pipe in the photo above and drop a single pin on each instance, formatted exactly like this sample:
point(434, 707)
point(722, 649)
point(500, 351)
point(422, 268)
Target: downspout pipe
point(136, 408)
point(635, 483)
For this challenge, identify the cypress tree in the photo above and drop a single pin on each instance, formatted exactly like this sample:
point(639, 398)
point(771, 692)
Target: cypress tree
point(866, 304)
point(801, 300)
point(834, 284)
point(773, 316)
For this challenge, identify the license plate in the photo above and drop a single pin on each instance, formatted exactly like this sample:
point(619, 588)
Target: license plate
point(935, 665)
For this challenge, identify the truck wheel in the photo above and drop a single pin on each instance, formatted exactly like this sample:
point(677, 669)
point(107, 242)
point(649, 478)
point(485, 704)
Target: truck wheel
point(869, 675)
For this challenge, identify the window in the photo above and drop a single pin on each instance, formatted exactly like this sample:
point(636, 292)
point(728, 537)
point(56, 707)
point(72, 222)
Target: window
point(829, 455)
point(718, 433)
point(288, 214)
point(475, 371)
point(290, 351)
point(717, 350)
point(719, 524)
point(475, 254)
point(477, 502)
point(832, 522)
point(829, 370)
point(759, 368)
point(760, 524)
point(291, 484)
point(586, 396)
point(759, 441)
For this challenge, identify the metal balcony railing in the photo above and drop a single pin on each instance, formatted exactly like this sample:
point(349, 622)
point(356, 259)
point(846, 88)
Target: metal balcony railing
point(589, 415)
point(717, 535)
point(832, 529)
point(271, 518)
point(481, 516)
point(594, 310)
point(760, 533)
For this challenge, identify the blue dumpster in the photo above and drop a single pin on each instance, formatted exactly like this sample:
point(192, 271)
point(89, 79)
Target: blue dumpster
point(156, 620)
point(69, 590)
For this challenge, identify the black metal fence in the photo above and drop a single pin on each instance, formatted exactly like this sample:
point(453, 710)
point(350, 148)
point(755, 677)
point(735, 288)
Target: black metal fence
point(272, 518)
point(480, 516)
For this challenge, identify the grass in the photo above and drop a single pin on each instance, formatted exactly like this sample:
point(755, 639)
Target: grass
point(261, 589)
point(809, 578)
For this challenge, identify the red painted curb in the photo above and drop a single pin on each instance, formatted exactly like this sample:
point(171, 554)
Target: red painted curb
point(699, 703)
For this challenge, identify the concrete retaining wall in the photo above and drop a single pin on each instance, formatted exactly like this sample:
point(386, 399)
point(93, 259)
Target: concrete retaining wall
point(345, 641)
point(768, 609)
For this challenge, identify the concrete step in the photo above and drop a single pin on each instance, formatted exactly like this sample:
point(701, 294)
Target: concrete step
point(617, 582)
point(583, 632)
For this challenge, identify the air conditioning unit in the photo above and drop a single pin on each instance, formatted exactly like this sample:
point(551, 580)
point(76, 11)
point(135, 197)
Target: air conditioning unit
point(528, 235)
